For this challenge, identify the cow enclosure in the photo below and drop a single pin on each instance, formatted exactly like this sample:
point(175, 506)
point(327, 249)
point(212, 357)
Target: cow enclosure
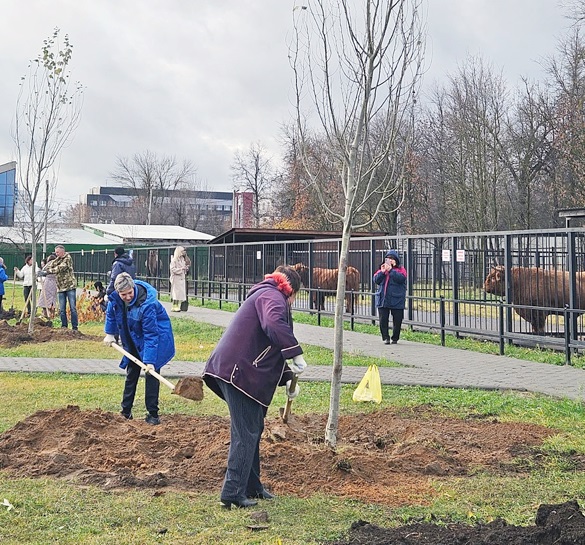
point(446, 277)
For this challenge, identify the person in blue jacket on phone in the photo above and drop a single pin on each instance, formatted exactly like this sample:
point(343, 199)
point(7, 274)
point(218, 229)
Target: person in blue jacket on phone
point(391, 295)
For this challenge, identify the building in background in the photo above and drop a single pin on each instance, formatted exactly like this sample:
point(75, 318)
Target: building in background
point(8, 193)
point(206, 211)
point(243, 216)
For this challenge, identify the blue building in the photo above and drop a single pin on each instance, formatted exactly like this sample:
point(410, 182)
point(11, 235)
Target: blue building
point(8, 193)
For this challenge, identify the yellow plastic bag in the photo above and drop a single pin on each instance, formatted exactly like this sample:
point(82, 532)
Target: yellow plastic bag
point(370, 387)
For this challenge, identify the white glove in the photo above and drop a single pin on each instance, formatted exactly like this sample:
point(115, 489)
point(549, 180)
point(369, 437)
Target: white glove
point(298, 365)
point(149, 368)
point(109, 339)
point(293, 394)
point(106, 298)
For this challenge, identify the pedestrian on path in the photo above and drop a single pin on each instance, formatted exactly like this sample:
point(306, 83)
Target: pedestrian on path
point(391, 295)
point(136, 315)
point(179, 267)
point(247, 365)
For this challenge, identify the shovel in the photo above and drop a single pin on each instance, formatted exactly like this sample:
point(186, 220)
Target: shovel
point(285, 412)
point(13, 294)
point(24, 308)
point(187, 387)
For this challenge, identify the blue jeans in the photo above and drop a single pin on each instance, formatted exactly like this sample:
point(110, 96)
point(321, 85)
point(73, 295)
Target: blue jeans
point(65, 296)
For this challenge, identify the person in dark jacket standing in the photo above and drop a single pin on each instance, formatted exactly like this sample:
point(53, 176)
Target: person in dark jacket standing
point(391, 295)
point(143, 324)
point(122, 263)
point(247, 365)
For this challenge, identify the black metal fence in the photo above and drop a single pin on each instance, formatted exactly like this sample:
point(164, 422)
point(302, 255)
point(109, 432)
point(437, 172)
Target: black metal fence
point(446, 275)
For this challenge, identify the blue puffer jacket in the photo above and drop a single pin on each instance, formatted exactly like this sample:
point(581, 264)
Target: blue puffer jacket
point(391, 285)
point(121, 264)
point(148, 327)
point(3, 278)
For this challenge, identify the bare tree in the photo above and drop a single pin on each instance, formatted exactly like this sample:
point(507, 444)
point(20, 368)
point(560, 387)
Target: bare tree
point(295, 205)
point(254, 172)
point(76, 214)
point(152, 177)
point(355, 64)
point(567, 86)
point(48, 111)
point(465, 123)
point(525, 149)
point(575, 10)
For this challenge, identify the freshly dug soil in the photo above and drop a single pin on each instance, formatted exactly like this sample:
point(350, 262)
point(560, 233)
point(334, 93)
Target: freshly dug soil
point(386, 457)
point(15, 335)
point(561, 524)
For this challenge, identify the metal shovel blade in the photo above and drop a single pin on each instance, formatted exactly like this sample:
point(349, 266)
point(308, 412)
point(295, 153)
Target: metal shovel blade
point(285, 411)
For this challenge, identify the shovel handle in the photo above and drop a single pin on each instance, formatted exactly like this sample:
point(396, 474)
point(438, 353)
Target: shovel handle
point(143, 366)
point(287, 407)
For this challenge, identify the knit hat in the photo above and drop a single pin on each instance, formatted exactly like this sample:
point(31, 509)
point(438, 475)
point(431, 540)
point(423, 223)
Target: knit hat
point(394, 255)
point(123, 282)
point(119, 251)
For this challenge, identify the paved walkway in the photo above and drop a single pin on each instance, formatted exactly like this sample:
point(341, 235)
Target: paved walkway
point(424, 364)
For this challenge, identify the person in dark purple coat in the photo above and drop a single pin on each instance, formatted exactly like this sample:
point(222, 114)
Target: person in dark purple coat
point(246, 367)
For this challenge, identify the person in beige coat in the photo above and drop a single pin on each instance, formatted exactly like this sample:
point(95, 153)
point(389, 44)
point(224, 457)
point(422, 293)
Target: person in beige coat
point(179, 268)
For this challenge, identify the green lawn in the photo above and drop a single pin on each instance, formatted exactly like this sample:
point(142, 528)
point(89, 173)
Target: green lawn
point(56, 511)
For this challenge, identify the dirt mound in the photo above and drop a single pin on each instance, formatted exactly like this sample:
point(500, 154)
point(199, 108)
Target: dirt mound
point(15, 335)
point(561, 524)
point(7, 314)
point(386, 457)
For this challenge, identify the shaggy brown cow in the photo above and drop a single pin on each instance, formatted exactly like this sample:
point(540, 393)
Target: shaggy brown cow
point(153, 263)
point(326, 279)
point(536, 287)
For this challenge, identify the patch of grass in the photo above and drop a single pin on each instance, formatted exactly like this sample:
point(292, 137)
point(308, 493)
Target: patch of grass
point(53, 511)
point(49, 511)
point(194, 341)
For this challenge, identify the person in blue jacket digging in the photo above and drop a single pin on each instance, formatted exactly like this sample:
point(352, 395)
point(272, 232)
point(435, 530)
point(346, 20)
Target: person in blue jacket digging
point(135, 314)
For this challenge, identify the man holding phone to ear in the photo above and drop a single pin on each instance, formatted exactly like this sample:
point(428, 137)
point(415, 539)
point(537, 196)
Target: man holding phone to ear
point(391, 296)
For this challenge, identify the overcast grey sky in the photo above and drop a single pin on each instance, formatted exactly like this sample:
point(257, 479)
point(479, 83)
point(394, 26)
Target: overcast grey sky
point(202, 79)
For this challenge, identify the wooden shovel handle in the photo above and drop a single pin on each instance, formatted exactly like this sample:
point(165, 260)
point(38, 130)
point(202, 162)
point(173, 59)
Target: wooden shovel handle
point(24, 307)
point(143, 366)
point(287, 407)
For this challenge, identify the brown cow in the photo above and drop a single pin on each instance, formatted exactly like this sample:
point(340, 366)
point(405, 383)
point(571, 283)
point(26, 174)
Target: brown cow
point(153, 263)
point(536, 287)
point(326, 279)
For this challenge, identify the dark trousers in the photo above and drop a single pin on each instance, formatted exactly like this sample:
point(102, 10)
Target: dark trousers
point(397, 317)
point(151, 390)
point(25, 293)
point(242, 477)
